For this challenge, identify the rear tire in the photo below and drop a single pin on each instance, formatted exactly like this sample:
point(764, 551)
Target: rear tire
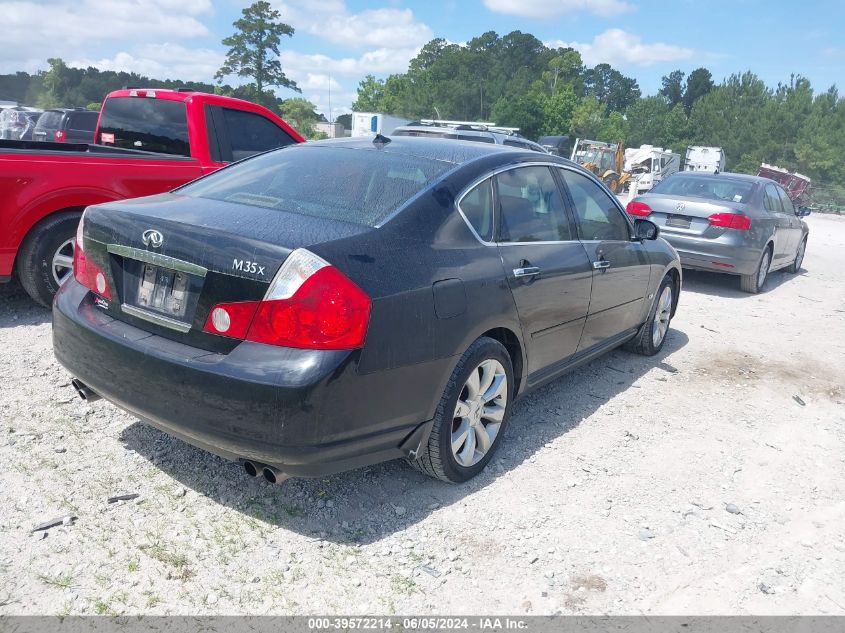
point(470, 422)
point(45, 257)
point(755, 282)
point(795, 266)
point(652, 334)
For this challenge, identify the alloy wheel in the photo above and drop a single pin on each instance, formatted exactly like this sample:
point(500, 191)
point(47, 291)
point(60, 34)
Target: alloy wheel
point(63, 262)
point(799, 258)
point(764, 269)
point(479, 412)
point(662, 315)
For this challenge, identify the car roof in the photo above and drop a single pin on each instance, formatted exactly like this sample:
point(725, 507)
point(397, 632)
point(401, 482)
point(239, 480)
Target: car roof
point(443, 149)
point(726, 175)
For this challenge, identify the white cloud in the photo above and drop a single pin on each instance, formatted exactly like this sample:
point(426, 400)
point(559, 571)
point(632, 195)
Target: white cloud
point(376, 62)
point(549, 8)
point(372, 28)
point(620, 48)
point(33, 30)
point(385, 41)
point(161, 61)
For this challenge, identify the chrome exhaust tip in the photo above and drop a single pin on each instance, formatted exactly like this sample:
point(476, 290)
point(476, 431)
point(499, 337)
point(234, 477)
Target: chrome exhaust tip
point(273, 475)
point(85, 392)
point(252, 469)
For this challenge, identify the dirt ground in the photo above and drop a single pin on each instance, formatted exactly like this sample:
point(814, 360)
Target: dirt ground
point(706, 480)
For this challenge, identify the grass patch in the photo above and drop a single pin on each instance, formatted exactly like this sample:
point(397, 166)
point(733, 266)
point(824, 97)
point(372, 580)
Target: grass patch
point(64, 580)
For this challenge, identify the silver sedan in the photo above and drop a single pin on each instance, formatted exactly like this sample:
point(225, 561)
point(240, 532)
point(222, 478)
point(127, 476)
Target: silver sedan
point(729, 223)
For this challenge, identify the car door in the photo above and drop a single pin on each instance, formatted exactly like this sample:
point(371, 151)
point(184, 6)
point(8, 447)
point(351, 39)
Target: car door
point(782, 227)
point(621, 266)
point(796, 228)
point(547, 268)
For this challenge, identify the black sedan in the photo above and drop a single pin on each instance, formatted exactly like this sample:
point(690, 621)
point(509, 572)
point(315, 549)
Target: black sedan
point(336, 304)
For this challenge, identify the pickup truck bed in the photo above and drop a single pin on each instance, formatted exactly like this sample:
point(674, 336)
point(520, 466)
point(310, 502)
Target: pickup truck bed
point(44, 187)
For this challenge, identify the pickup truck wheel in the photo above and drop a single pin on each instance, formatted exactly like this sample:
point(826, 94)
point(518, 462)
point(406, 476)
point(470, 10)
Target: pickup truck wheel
point(45, 259)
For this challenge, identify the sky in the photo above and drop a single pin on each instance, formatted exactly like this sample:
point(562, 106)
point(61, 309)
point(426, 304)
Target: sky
point(338, 42)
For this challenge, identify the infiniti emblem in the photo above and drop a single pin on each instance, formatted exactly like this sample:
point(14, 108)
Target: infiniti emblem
point(153, 238)
point(680, 206)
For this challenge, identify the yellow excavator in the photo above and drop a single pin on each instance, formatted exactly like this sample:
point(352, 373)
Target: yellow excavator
point(605, 160)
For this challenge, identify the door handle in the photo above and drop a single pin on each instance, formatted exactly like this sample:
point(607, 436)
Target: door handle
point(602, 263)
point(528, 271)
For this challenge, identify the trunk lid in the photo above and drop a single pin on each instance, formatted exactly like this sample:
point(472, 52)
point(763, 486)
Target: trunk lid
point(171, 258)
point(687, 215)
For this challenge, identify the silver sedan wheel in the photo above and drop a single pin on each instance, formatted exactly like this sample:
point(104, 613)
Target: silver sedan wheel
point(764, 269)
point(662, 315)
point(63, 262)
point(479, 412)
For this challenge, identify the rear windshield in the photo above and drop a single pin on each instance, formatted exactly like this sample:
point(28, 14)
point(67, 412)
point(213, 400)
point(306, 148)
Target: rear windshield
point(85, 121)
point(711, 188)
point(152, 125)
point(358, 186)
point(49, 120)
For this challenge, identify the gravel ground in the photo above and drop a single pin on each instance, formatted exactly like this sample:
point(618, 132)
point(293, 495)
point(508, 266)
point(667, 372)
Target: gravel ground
point(706, 480)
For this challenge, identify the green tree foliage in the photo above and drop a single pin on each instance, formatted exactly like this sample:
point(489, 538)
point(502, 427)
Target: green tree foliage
point(673, 88)
point(699, 83)
point(302, 115)
point(64, 86)
point(254, 50)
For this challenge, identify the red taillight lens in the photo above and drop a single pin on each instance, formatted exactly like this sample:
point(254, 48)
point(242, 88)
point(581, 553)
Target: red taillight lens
point(641, 209)
point(85, 271)
point(310, 304)
point(730, 221)
point(61, 136)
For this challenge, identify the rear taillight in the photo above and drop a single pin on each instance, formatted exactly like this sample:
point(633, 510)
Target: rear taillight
point(640, 209)
point(730, 221)
point(60, 136)
point(310, 304)
point(85, 271)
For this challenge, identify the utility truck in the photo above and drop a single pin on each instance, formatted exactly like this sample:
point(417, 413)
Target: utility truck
point(701, 158)
point(647, 165)
point(372, 123)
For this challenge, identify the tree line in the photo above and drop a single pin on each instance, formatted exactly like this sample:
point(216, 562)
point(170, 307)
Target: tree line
point(515, 80)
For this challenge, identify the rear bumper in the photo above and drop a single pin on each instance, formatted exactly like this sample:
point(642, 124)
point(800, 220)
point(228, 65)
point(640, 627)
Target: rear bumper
point(714, 255)
point(306, 412)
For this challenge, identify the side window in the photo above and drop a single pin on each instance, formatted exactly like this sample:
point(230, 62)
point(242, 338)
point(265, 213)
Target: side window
point(477, 207)
point(772, 200)
point(788, 207)
point(596, 214)
point(251, 133)
point(531, 206)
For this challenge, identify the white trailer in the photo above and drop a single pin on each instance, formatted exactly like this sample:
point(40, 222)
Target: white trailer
point(371, 123)
point(647, 166)
point(701, 158)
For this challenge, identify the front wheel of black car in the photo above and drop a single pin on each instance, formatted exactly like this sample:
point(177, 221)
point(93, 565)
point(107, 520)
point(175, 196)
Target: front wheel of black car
point(652, 334)
point(472, 415)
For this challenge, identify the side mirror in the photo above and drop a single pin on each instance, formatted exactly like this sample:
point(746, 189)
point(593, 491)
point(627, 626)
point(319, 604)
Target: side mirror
point(646, 229)
point(803, 212)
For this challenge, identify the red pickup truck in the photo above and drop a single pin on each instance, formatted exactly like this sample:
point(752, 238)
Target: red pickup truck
point(146, 142)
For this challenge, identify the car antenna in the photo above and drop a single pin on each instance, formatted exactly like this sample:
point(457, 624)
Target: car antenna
point(381, 140)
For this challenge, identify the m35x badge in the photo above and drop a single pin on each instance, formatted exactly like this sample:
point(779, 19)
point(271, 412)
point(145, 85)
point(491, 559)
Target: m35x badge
point(152, 238)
